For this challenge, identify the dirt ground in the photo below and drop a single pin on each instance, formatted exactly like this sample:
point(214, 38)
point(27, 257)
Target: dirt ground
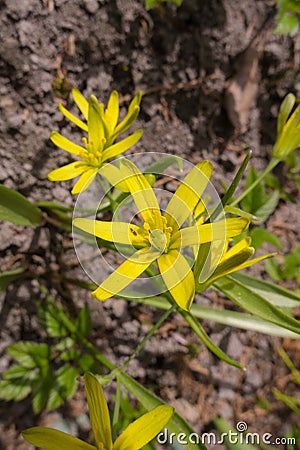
point(213, 76)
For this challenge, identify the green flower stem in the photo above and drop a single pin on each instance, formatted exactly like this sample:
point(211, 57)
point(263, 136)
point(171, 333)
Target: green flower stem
point(230, 191)
point(106, 191)
point(273, 163)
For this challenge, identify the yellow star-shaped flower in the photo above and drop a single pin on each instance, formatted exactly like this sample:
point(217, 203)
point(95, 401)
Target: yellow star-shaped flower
point(163, 235)
point(103, 128)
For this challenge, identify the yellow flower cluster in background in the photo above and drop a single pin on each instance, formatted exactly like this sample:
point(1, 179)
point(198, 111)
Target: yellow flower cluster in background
point(102, 127)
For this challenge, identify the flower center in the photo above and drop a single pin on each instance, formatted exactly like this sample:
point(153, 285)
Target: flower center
point(91, 155)
point(158, 240)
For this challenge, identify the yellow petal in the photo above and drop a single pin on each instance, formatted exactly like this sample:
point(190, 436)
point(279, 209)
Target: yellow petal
point(112, 111)
point(126, 273)
point(188, 194)
point(99, 414)
point(85, 180)
point(49, 439)
point(119, 232)
point(96, 132)
point(237, 248)
point(114, 176)
point(250, 262)
point(68, 172)
point(126, 122)
point(142, 194)
point(73, 118)
point(135, 101)
point(178, 278)
point(209, 232)
point(81, 102)
point(144, 429)
point(122, 146)
point(65, 143)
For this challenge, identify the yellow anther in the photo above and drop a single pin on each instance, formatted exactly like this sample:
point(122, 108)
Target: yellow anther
point(164, 220)
point(84, 140)
point(146, 226)
point(98, 154)
point(169, 229)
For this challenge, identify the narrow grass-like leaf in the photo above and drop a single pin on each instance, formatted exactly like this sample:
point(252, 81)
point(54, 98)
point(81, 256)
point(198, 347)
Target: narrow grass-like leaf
point(274, 294)
point(229, 318)
point(8, 276)
point(244, 297)
point(15, 208)
point(231, 190)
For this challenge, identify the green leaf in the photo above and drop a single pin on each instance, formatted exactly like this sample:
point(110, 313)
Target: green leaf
point(232, 188)
point(8, 276)
point(244, 297)
point(70, 355)
point(84, 321)
point(16, 372)
point(15, 208)
point(273, 269)
point(15, 390)
point(260, 235)
point(292, 402)
point(288, 24)
point(16, 383)
point(228, 318)
point(65, 344)
point(86, 362)
point(50, 315)
point(41, 389)
point(63, 387)
point(149, 400)
point(255, 198)
point(291, 264)
point(158, 167)
point(269, 206)
point(29, 354)
point(274, 294)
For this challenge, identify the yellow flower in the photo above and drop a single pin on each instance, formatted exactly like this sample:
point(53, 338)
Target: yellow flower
point(103, 129)
point(162, 236)
point(233, 259)
point(134, 437)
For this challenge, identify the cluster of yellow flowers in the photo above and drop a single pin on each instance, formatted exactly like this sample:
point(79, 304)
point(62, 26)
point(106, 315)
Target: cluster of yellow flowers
point(162, 236)
point(159, 241)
